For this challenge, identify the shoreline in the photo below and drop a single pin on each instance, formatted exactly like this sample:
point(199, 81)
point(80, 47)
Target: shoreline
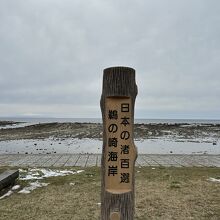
point(178, 132)
point(76, 138)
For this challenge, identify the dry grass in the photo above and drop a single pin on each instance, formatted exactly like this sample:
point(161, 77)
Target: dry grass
point(177, 193)
point(161, 193)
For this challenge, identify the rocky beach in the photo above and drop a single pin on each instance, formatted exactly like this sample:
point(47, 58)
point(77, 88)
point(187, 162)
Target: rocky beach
point(68, 137)
point(190, 132)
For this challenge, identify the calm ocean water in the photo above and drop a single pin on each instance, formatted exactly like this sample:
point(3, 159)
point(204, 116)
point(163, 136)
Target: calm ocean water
point(99, 120)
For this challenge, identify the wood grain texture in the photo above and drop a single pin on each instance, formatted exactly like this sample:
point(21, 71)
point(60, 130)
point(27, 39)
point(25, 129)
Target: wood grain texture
point(118, 82)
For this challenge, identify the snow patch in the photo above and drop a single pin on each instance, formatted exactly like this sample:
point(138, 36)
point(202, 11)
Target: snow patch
point(6, 194)
point(16, 187)
point(33, 186)
point(39, 174)
point(214, 180)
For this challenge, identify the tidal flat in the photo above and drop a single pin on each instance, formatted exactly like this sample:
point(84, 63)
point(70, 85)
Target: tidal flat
point(151, 138)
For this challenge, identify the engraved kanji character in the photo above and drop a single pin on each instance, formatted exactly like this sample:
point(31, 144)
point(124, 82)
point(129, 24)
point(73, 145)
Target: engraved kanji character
point(112, 170)
point(125, 177)
point(113, 142)
point(113, 114)
point(124, 163)
point(125, 149)
point(125, 121)
point(112, 156)
point(125, 107)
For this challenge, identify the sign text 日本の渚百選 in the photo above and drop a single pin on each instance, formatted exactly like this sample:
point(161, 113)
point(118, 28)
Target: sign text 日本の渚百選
point(119, 152)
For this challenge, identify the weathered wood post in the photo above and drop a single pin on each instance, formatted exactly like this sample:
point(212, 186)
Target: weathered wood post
point(119, 152)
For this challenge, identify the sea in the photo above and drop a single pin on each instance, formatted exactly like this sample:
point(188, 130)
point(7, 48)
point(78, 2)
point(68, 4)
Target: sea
point(99, 120)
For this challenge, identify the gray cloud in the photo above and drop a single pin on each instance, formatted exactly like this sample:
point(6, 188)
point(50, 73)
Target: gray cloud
point(53, 53)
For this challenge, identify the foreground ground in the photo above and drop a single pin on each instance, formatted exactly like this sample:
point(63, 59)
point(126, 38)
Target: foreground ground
point(161, 193)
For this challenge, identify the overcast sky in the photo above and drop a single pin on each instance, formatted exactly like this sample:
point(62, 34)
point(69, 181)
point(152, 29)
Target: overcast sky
point(53, 52)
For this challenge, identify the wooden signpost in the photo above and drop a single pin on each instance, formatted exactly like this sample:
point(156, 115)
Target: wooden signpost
point(119, 152)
